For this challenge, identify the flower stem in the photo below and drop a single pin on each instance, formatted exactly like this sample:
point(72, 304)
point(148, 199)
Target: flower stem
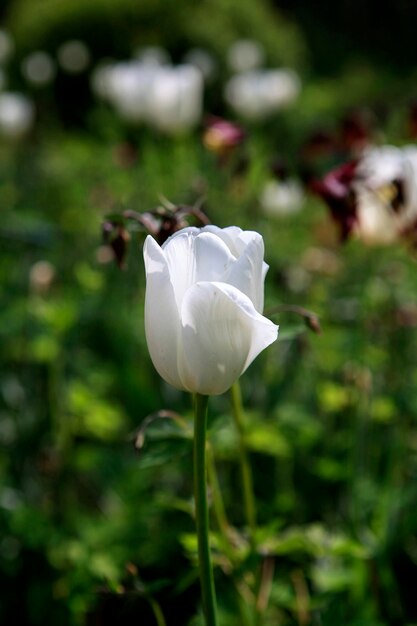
point(218, 504)
point(201, 511)
point(247, 481)
point(156, 609)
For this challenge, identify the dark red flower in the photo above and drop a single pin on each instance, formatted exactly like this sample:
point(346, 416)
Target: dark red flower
point(335, 188)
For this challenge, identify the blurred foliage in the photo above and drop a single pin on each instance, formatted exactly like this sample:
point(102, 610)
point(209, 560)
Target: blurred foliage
point(111, 28)
point(93, 530)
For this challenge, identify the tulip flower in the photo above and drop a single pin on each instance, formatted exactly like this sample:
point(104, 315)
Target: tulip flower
point(204, 326)
point(145, 90)
point(259, 93)
point(203, 310)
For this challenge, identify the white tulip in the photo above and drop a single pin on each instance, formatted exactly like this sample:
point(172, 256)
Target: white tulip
point(169, 98)
point(256, 94)
point(176, 98)
point(126, 85)
point(203, 307)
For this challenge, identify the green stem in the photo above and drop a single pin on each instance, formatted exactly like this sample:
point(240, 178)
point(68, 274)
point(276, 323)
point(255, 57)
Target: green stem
point(247, 481)
point(201, 511)
point(216, 494)
point(156, 609)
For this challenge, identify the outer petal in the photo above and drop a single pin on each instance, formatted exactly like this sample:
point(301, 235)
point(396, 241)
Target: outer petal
point(162, 323)
point(247, 238)
point(248, 273)
point(222, 334)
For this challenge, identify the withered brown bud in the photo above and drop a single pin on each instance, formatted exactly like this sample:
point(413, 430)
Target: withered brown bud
point(161, 223)
point(117, 237)
point(313, 323)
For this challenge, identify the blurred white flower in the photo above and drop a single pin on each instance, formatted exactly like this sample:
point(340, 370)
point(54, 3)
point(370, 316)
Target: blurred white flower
point(385, 188)
point(73, 56)
point(39, 68)
point(245, 55)
point(259, 93)
point(16, 114)
point(375, 197)
point(280, 198)
point(176, 98)
point(126, 86)
point(166, 97)
point(203, 61)
point(6, 46)
point(100, 79)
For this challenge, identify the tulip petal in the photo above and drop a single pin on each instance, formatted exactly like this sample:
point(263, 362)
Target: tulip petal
point(162, 324)
point(248, 273)
point(229, 235)
point(246, 238)
point(213, 258)
point(235, 238)
point(222, 334)
point(248, 248)
point(192, 258)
